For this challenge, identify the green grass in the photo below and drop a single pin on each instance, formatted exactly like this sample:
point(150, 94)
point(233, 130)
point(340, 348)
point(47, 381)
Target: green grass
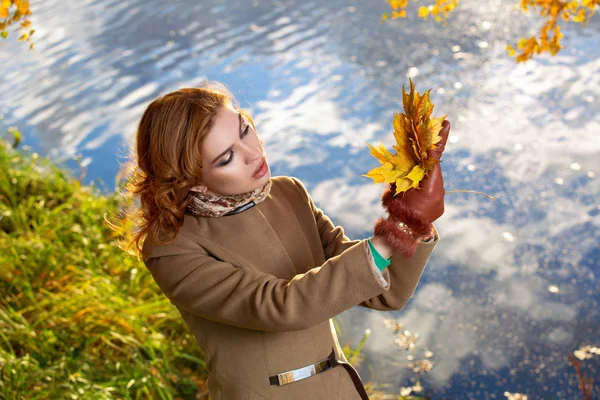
point(79, 317)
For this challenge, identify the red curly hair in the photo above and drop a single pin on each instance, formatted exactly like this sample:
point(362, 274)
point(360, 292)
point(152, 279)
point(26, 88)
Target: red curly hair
point(166, 159)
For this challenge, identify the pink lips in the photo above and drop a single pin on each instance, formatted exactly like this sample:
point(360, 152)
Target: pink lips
point(261, 170)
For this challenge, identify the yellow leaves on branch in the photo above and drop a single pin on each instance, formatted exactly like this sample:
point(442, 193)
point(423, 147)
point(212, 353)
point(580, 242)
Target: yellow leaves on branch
point(416, 132)
point(549, 39)
point(578, 11)
point(15, 11)
point(439, 10)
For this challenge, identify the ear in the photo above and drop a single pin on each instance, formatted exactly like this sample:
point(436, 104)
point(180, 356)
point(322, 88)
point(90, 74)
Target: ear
point(199, 189)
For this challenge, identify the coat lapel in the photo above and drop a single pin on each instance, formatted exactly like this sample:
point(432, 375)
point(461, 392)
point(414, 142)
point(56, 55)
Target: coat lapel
point(248, 240)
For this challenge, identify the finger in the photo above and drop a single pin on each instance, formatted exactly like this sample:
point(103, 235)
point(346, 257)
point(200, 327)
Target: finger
point(441, 145)
point(444, 132)
point(433, 180)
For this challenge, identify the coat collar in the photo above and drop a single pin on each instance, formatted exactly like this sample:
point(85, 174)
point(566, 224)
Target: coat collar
point(241, 208)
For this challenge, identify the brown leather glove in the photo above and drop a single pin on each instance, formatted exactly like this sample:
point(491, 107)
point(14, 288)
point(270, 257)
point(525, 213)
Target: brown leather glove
point(415, 208)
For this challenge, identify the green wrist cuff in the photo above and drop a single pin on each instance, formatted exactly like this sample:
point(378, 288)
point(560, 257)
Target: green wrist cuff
point(381, 262)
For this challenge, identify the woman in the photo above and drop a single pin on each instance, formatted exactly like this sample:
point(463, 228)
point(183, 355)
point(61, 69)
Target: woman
point(256, 270)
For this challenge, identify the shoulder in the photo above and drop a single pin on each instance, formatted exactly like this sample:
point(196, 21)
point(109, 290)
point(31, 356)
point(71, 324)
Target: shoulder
point(181, 244)
point(293, 191)
point(287, 189)
point(290, 184)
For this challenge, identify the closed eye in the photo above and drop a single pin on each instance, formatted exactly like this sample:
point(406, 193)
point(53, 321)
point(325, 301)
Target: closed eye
point(231, 153)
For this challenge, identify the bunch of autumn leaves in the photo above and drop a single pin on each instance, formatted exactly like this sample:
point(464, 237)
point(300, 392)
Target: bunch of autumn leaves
point(416, 132)
point(13, 11)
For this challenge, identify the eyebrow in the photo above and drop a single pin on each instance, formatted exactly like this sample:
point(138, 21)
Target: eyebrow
point(230, 147)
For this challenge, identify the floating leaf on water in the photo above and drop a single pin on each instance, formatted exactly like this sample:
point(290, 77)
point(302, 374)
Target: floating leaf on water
point(417, 387)
point(515, 396)
point(424, 365)
point(585, 352)
point(393, 324)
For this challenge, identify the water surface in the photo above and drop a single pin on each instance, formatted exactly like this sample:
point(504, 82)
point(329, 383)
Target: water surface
point(510, 290)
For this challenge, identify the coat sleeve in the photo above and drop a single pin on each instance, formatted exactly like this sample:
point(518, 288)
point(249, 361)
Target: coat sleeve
point(402, 274)
point(196, 282)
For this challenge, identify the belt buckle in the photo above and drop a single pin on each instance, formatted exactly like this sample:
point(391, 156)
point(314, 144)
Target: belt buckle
point(296, 374)
point(302, 373)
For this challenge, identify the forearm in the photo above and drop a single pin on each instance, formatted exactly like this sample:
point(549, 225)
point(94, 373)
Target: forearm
point(403, 275)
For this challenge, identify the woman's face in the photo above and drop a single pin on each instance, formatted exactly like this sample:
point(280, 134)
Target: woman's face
point(231, 156)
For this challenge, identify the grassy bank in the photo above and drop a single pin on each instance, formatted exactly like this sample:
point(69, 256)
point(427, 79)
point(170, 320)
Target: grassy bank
point(79, 317)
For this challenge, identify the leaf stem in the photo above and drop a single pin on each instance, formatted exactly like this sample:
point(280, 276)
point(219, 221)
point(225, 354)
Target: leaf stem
point(471, 191)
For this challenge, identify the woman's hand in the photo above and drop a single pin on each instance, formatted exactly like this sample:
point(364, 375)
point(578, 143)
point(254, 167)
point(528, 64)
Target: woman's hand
point(415, 209)
point(425, 204)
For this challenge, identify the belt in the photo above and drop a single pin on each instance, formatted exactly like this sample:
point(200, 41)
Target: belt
point(330, 362)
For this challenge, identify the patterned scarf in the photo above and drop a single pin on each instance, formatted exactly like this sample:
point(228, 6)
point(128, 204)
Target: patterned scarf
point(210, 205)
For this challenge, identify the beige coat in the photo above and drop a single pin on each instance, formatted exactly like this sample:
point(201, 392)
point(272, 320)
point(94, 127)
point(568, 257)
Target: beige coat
point(258, 290)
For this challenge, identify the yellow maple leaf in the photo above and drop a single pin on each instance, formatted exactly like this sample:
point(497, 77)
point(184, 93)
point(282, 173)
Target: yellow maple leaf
point(389, 173)
point(403, 184)
point(416, 132)
point(380, 152)
point(416, 175)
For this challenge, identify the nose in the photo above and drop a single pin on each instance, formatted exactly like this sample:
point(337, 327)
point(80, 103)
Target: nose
point(252, 154)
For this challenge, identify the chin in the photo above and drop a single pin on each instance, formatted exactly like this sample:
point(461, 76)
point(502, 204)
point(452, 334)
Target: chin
point(253, 184)
point(260, 182)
